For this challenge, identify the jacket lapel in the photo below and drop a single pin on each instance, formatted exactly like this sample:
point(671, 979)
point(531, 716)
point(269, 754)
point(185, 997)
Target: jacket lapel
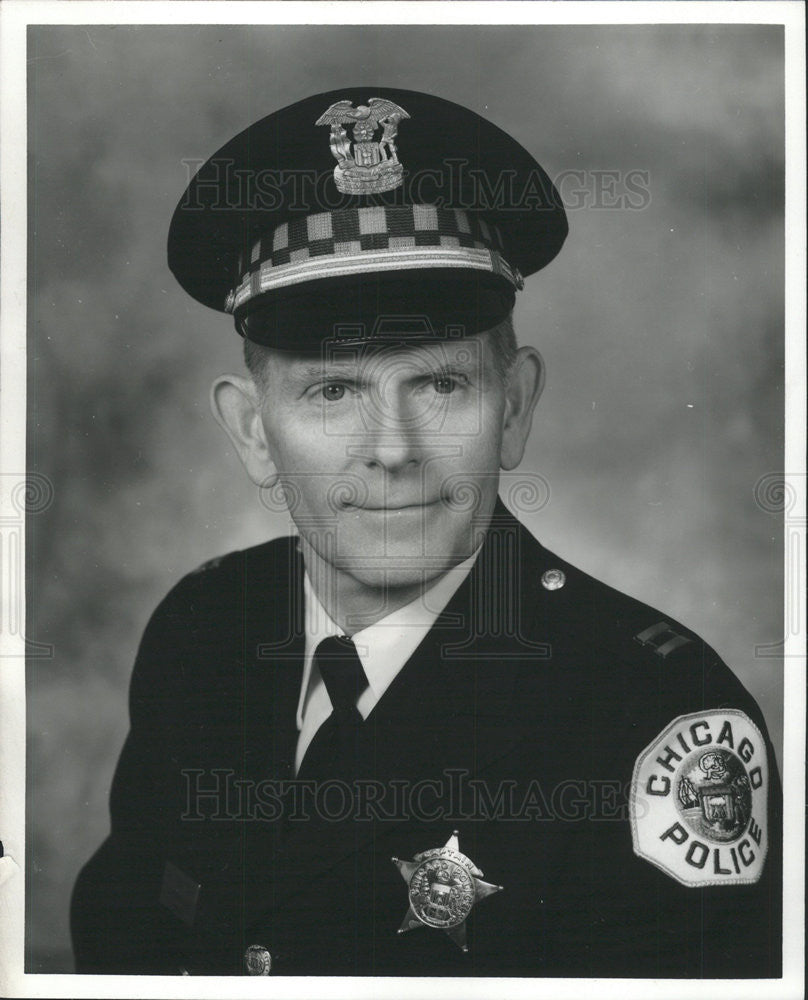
point(466, 668)
point(452, 706)
point(275, 646)
point(461, 682)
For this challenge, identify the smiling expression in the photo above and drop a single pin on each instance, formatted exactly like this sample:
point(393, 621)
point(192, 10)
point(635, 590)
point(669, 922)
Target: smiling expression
point(388, 456)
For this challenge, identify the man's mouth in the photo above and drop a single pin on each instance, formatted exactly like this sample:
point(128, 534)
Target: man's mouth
point(392, 508)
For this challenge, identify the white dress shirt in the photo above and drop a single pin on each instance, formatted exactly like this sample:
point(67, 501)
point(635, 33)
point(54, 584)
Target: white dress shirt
point(383, 649)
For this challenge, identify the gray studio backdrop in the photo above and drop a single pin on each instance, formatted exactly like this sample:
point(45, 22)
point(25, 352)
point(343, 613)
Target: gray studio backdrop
point(661, 323)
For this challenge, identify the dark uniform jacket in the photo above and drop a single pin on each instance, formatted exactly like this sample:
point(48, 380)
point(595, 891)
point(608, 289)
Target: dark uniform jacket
point(516, 722)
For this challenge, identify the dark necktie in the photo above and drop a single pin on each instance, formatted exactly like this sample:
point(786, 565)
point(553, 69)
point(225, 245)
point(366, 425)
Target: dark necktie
point(332, 752)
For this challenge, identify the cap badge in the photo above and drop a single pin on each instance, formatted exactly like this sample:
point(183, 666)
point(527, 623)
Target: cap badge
point(443, 885)
point(364, 166)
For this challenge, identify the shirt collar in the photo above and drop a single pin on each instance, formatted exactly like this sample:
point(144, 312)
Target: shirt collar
point(386, 645)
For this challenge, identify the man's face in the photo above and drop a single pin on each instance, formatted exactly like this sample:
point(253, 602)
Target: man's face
point(388, 456)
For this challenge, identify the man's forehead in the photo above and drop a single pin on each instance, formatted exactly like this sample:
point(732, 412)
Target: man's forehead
point(468, 353)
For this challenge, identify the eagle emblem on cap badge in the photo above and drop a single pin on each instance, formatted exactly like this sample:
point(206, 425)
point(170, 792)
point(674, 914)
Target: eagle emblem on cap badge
point(365, 166)
point(443, 886)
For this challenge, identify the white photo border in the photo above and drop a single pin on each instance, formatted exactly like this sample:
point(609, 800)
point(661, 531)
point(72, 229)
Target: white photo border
point(16, 16)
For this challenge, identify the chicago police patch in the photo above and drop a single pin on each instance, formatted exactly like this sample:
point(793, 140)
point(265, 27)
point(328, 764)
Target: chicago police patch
point(698, 800)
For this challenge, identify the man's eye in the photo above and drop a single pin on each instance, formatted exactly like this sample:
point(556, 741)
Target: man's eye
point(444, 384)
point(334, 391)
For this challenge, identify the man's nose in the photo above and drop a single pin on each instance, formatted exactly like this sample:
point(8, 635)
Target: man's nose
point(393, 434)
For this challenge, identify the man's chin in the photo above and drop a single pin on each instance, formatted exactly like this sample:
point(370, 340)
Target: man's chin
point(393, 550)
point(404, 553)
point(390, 577)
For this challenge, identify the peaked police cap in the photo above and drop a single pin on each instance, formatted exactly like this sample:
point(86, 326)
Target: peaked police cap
point(361, 213)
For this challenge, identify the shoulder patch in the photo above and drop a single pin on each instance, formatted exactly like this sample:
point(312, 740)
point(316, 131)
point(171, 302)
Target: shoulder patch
point(698, 801)
point(662, 639)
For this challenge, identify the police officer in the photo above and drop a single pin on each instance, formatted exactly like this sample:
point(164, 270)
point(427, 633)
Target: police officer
point(410, 740)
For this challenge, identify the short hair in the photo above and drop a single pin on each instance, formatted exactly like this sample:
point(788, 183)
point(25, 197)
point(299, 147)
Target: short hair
point(501, 338)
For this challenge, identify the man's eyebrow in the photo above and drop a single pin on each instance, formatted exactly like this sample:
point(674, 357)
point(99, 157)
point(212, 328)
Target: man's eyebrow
point(325, 370)
point(354, 369)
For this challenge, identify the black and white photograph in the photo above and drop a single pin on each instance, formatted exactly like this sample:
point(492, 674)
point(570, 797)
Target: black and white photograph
point(403, 523)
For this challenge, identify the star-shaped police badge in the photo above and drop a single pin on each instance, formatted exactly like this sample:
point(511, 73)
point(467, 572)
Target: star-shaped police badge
point(443, 885)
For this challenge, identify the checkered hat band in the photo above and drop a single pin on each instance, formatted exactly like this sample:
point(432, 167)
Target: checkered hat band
point(365, 240)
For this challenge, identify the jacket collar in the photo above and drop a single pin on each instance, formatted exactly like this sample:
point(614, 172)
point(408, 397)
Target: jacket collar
point(467, 666)
point(460, 687)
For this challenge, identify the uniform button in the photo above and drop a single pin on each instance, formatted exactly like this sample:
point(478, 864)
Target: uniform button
point(553, 579)
point(257, 960)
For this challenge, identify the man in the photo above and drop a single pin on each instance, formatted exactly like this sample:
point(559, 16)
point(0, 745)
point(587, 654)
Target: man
point(335, 736)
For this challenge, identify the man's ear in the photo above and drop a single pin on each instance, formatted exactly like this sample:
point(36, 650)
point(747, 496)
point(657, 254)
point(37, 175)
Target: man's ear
point(525, 384)
point(236, 405)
